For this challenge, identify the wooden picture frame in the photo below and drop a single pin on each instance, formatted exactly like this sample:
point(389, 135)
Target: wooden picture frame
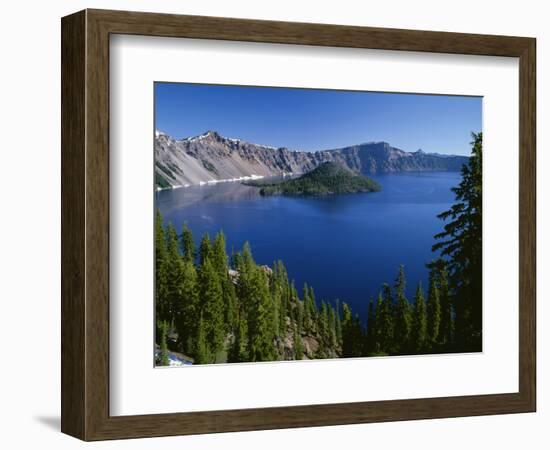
point(85, 224)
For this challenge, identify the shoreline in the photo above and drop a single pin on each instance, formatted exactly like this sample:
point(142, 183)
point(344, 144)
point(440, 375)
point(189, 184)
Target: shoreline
point(211, 182)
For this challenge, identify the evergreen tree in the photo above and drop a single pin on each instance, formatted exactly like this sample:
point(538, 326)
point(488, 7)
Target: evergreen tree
point(308, 313)
point(338, 324)
point(201, 353)
point(419, 322)
point(332, 327)
point(219, 255)
point(295, 308)
point(161, 281)
point(460, 245)
point(164, 360)
point(275, 293)
point(313, 305)
point(286, 289)
point(230, 304)
point(257, 306)
point(323, 330)
point(384, 320)
point(187, 244)
point(446, 328)
point(261, 333)
point(212, 308)
point(245, 266)
point(299, 314)
point(298, 346)
point(280, 294)
point(187, 307)
point(247, 258)
point(371, 346)
point(174, 273)
point(402, 316)
point(352, 335)
point(219, 258)
point(378, 329)
point(205, 248)
point(238, 351)
point(433, 311)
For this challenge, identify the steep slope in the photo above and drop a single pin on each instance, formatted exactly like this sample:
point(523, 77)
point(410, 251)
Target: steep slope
point(211, 157)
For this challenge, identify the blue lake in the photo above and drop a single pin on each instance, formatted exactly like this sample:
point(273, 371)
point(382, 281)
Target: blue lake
point(344, 246)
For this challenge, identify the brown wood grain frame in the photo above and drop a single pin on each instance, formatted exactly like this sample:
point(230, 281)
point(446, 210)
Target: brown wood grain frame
point(85, 224)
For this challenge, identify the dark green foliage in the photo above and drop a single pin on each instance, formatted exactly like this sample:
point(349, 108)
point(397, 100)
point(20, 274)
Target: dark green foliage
point(439, 274)
point(186, 312)
point(188, 244)
point(309, 309)
point(230, 304)
point(298, 346)
point(460, 245)
point(219, 255)
point(371, 346)
point(201, 353)
point(238, 351)
point(446, 327)
point(327, 179)
point(338, 324)
point(418, 336)
point(160, 181)
point(219, 258)
point(384, 320)
point(212, 308)
point(323, 327)
point(261, 330)
point(174, 273)
point(433, 311)
point(298, 314)
point(402, 314)
point(205, 248)
point(161, 261)
point(332, 340)
point(209, 166)
point(163, 357)
point(352, 334)
point(281, 295)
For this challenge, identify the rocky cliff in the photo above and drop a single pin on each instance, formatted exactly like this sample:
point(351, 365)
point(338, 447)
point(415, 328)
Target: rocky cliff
point(211, 157)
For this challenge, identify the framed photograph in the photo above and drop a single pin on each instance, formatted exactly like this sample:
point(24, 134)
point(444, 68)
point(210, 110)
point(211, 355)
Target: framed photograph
point(273, 225)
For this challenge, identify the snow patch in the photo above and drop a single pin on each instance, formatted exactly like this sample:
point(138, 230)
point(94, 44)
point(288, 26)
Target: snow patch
point(229, 180)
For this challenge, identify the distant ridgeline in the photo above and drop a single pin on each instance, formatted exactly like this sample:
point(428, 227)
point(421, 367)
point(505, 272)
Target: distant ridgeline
point(327, 179)
point(211, 157)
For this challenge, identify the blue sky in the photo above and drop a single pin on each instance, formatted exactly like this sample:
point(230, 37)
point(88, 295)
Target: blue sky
point(313, 119)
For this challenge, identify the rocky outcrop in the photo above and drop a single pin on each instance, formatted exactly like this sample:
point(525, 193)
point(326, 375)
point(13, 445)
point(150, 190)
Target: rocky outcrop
point(211, 158)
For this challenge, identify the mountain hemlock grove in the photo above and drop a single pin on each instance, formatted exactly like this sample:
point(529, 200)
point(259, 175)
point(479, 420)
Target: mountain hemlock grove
point(212, 307)
point(211, 157)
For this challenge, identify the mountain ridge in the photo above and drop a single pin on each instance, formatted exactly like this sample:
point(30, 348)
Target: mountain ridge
point(211, 158)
